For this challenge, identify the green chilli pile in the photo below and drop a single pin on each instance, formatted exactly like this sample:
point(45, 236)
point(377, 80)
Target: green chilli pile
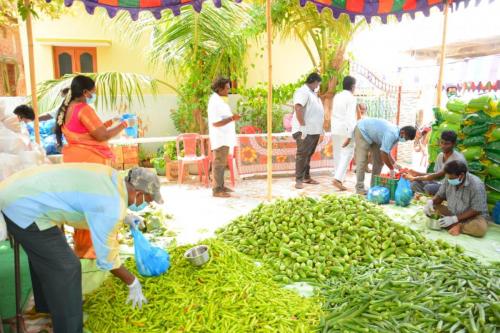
point(228, 294)
point(307, 239)
point(415, 295)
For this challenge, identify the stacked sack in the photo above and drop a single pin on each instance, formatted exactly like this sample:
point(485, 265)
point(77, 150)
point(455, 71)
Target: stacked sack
point(449, 119)
point(16, 150)
point(47, 136)
point(480, 144)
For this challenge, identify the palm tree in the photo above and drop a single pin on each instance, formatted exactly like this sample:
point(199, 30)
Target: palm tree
point(196, 47)
point(329, 38)
point(113, 88)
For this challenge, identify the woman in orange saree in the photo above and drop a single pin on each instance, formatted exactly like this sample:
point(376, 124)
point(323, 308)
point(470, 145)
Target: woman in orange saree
point(86, 137)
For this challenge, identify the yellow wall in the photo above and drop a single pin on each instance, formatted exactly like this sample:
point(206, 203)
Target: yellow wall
point(77, 26)
point(290, 60)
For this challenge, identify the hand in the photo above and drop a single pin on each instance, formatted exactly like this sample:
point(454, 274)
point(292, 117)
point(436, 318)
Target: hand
point(396, 166)
point(346, 142)
point(303, 133)
point(236, 117)
point(429, 207)
point(135, 294)
point(455, 230)
point(116, 119)
point(133, 221)
point(392, 173)
point(447, 221)
point(408, 176)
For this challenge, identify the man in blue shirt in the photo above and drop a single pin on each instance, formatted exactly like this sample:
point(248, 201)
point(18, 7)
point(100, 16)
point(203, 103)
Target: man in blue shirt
point(377, 136)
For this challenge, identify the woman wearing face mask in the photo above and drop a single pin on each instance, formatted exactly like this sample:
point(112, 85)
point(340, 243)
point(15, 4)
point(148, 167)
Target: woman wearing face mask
point(87, 140)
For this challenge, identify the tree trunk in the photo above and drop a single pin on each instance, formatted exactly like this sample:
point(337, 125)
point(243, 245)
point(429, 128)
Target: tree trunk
point(327, 97)
point(197, 115)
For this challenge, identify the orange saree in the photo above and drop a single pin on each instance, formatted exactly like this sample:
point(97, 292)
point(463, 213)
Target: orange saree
point(82, 147)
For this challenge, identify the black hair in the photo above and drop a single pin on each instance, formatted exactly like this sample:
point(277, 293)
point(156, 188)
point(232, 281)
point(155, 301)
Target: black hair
point(451, 87)
point(64, 92)
point(313, 77)
point(24, 112)
point(220, 83)
point(449, 136)
point(410, 131)
point(348, 83)
point(79, 84)
point(455, 168)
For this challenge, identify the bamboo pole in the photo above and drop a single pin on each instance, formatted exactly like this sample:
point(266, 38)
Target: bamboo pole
point(269, 28)
point(29, 31)
point(443, 54)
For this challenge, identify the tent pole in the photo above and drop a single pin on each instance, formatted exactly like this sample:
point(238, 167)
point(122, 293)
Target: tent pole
point(269, 28)
point(29, 31)
point(443, 55)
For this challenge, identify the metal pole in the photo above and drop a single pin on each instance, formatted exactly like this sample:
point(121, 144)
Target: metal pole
point(443, 54)
point(29, 31)
point(269, 28)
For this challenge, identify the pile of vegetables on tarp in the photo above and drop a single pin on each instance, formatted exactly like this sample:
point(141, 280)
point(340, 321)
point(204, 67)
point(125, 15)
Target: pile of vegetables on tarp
point(307, 239)
point(372, 276)
point(230, 293)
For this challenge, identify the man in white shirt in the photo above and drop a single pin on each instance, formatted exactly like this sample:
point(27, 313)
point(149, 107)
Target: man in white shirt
point(222, 132)
point(343, 122)
point(307, 126)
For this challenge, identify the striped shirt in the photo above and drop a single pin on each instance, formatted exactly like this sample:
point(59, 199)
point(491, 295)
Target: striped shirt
point(82, 195)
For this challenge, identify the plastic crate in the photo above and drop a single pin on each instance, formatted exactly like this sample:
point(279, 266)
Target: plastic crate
point(389, 183)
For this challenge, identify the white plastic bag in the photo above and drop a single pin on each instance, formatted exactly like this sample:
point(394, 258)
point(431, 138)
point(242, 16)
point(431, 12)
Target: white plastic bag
point(10, 142)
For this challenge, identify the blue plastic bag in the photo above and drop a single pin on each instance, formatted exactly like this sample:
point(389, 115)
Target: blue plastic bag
point(496, 213)
point(379, 195)
point(403, 194)
point(150, 260)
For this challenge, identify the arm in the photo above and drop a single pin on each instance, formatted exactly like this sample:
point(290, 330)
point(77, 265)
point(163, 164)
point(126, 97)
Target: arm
point(45, 116)
point(429, 176)
point(104, 134)
point(299, 111)
point(387, 159)
point(226, 121)
point(123, 274)
point(468, 214)
point(96, 128)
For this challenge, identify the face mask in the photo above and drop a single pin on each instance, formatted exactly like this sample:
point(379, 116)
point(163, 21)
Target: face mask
point(91, 99)
point(402, 140)
point(136, 208)
point(316, 90)
point(454, 182)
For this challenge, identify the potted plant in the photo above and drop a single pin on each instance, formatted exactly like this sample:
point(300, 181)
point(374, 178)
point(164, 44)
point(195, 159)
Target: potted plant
point(145, 158)
point(170, 158)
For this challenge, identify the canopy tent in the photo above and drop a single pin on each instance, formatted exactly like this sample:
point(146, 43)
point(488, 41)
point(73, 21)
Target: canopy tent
point(352, 8)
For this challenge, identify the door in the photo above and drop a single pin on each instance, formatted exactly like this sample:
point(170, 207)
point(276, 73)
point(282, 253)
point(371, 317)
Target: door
point(68, 60)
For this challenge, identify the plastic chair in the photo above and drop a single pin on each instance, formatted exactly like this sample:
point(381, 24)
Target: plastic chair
point(193, 144)
point(250, 130)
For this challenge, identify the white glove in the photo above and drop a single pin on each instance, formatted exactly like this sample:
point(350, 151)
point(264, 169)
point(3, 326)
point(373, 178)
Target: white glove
point(447, 221)
point(429, 207)
point(392, 173)
point(135, 294)
point(133, 221)
point(302, 130)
